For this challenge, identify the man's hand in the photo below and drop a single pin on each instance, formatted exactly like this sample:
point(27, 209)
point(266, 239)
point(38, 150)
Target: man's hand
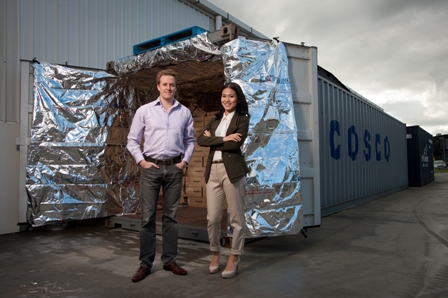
point(182, 165)
point(146, 164)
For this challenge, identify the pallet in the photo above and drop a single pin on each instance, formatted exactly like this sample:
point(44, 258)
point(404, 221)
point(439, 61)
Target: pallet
point(192, 223)
point(167, 39)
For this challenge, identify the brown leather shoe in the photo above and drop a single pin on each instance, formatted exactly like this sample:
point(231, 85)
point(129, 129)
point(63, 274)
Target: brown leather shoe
point(176, 269)
point(141, 273)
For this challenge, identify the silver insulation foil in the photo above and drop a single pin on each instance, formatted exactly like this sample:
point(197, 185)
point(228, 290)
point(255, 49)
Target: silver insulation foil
point(197, 48)
point(78, 166)
point(67, 140)
point(273, 202)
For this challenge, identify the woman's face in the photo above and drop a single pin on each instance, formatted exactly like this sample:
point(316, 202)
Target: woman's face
point(229, 100)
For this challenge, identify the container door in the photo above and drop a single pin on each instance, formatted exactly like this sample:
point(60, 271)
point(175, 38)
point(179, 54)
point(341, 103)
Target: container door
point(302, 65)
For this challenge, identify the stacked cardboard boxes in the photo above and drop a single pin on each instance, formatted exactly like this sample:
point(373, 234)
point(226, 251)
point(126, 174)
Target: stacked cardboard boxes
point(194, 180)
point(195, 187)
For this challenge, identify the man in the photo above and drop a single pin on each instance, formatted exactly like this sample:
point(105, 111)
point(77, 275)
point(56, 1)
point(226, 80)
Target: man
point(167, 129)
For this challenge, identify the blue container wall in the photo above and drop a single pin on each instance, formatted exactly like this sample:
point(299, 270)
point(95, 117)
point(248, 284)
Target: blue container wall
point(420, 156)
point(362, 150)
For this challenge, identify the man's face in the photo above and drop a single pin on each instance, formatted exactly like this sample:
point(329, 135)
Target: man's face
point(167, 87)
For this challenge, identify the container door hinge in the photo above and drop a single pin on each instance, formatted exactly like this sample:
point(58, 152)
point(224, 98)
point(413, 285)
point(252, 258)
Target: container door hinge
point(21, 142)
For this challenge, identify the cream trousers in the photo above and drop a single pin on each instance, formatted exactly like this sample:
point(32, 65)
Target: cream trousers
point(219, 188)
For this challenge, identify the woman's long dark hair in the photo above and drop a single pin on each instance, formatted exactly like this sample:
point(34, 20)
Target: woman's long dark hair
point(241, 107)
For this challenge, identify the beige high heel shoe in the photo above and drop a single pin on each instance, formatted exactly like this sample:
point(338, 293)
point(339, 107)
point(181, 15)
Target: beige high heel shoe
point(214, 269)
point(231, 273)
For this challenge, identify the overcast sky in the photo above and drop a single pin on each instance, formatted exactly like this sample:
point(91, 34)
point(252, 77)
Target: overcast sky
point(393, 52)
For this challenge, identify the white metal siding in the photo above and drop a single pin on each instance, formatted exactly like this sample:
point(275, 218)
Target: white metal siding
point(9, 74)
point(91, 33)
point(2, 61)
point(9, 116)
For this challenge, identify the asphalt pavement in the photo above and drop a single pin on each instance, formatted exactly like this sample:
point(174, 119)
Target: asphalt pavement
point(394, 246)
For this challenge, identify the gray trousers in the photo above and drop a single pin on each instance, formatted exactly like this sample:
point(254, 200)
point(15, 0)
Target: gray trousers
point(219, 188)
point(169, 178)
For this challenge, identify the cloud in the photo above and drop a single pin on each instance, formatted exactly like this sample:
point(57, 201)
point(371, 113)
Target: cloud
point(394, 53)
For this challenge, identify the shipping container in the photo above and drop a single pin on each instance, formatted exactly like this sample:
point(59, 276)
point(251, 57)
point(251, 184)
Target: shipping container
point(440, 144)
point(349, 150)
point(420, 151)
point(362, 149)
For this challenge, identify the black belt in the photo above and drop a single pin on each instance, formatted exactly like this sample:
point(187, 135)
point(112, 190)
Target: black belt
point(218, 161)
point(166, 162)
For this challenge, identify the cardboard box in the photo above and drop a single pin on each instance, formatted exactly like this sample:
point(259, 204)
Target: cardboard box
point(194, 181)
point(198, 131)
point(197, 202)
point(199, 122)
point(196, 161)
point(204, 185)
point(194, 191)
point(198, 112)
point(196, 171)
point(198, 150)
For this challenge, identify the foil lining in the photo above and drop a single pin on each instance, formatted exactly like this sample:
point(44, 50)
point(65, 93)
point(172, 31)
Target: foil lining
point(78, 166)
point(273, 202)
point(67, 139)
point(197, 48)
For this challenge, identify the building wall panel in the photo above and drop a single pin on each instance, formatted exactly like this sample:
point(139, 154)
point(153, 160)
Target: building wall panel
point(10, 106)
point(2, 61)
point(91, 33)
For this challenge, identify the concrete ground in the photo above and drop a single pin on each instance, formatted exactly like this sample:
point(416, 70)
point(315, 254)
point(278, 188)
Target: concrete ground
point(395, 246)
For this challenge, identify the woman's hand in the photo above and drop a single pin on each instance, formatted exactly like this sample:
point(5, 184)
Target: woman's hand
point(207, 133)
point(235, 137)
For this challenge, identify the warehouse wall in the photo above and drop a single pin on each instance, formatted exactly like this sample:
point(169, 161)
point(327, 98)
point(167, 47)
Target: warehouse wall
point(90, 33)
point(9, 116)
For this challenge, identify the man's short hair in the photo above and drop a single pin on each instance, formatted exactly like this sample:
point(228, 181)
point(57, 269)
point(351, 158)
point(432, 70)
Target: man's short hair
point(166, 72)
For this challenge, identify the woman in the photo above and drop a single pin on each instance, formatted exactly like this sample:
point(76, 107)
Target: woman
point(225, 174)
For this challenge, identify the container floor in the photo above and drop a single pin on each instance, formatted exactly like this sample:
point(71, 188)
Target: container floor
point(192, 222)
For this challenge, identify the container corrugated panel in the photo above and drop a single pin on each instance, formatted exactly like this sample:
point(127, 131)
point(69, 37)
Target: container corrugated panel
point(420, 156)
point(362, 150)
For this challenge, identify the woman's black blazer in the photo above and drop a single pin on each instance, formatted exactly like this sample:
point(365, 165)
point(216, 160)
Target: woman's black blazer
point(232, 156)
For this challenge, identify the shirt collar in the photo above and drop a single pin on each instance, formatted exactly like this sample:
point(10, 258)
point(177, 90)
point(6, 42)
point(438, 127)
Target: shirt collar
point(159, 103)
point(230, 116)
